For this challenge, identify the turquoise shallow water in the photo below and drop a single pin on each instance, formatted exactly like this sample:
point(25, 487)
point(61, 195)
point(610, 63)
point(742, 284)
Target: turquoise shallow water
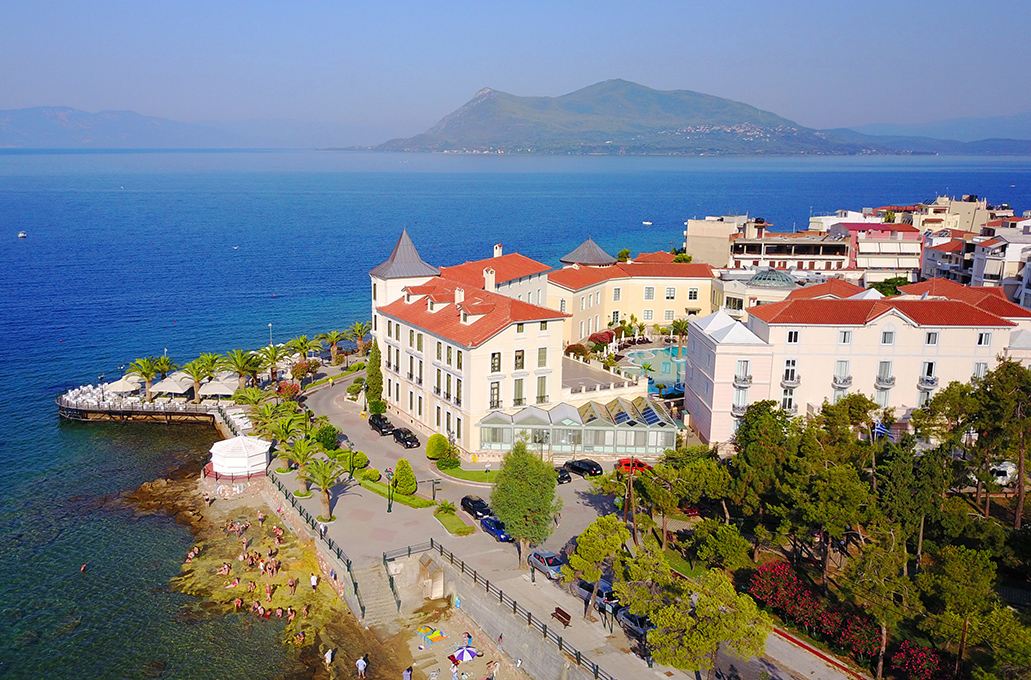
point(132, 253)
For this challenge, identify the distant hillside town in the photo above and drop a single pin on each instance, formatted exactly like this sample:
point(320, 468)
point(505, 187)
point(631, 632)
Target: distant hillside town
point(611, 356)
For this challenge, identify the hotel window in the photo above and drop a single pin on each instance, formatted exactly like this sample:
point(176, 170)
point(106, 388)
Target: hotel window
point(671, 293)
point(883, 370)
point(984, 339)
point(418, 342)
point(495, 362)
point(668, 315)
point(741, 396)
point(440, 351)
point(649, 292)
point(583, 303)
point(448, 356)
point(458, 389)
point(542, 389)
point(458, 428)
point(787, 400)
point(881, 398)
point(844, 337)
point(495, 395)
point(615, 316)
point(374, 291)
point(888, 338)
point(841, 368)
point(597, 298)
point(420, 406)
point(617, 294)
point(980, 369)
point(519, 327)
point(411, 338)
point(692, 293)
point(411, 367)
point(447, 417)
point(519, 363)
point(581, 329)
point(397, 332)
point(447, 386)
point(590, 301)
point(411, 401)
point(922, 397)
point(438, 381)
point(792, 337)
point(542, 357)
point(390, 328)
point(928, 370)
point(544, 326)
point(789, 369)
point(458, 360)
point(397, 392)
point(562, 305)
point(931, 338)
point(517, 392)
point(438, 416)
point(647, 314)
point(374, 324)
point(742, 369)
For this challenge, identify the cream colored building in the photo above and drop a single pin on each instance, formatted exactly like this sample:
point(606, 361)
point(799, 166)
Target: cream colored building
point(802, 352)
point(655, 293)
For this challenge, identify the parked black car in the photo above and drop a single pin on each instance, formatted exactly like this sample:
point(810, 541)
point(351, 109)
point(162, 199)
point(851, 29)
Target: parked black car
point(584, 467)
point(476, 506)
point(381, 424)
point(563, 475)
point(406, 438)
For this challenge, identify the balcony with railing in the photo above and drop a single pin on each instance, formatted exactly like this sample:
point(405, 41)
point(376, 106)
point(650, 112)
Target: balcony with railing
point(841, 382)
point(458, 400)
point(447, 396)
point(884, 382)
point(742, 380)
point(410, 376)
point(519, 401)
point(738, 410)
point(418, 381)
point(495, 404)
point(791, 409)
point(542, 399)
point(436, 391)
point(927, 382)
point(790, 381)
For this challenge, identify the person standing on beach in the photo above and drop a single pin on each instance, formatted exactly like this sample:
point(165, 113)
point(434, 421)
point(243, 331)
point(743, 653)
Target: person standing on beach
point(361, 663)
point(292, 585)
point(314, 582)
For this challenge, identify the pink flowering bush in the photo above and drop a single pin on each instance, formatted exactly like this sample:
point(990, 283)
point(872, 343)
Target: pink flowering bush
point(288, 390)
point(918, 663)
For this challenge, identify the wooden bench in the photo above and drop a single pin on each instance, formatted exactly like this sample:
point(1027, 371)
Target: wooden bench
point(562, 616)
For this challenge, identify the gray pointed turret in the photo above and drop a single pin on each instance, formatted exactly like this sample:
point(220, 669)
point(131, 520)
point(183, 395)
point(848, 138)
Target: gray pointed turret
point(404, 262)
point(590, 254)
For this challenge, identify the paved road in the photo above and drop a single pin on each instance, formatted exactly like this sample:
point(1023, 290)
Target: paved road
point(366, 530)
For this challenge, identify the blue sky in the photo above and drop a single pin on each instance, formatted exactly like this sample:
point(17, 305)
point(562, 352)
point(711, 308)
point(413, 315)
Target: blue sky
point(393, 68)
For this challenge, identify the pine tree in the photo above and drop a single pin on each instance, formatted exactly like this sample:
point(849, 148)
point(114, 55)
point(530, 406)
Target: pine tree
point(524, 498)
point(404, 479)
point(596, 546)
point(374, 375)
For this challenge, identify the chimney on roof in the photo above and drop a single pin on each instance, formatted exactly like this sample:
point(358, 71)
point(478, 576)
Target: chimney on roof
point(497, 250)
point(488, 277)
point(459, 295)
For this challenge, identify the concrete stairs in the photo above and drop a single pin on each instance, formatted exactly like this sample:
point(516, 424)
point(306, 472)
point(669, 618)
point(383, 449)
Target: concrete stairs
point(380, 607)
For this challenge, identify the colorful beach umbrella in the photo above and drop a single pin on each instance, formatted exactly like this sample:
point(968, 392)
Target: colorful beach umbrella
point(465, 654)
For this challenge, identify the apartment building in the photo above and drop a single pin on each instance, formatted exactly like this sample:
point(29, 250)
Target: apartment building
point(653, 292)
point(881, 250)
point(999, 261)
point(802, 352)
point(708, 240)
point(513, 275)
point(813, 251)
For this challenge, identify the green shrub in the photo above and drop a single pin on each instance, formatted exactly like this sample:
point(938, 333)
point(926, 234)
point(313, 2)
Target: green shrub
point(449, 463)
point(358, 366)
point(327, 436)
point(377, 406)
point(360, 460)
point(404, 479)
point(445, 508)
point(437, 446)
point(371, 474)
point(354, 388)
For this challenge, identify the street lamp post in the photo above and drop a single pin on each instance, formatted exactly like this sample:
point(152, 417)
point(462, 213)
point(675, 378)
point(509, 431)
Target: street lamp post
point(350, 458)
point(390, 490)
point(365, 398)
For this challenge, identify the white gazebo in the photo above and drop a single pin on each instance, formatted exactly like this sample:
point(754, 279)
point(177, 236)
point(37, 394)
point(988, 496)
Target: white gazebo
point(240, 456)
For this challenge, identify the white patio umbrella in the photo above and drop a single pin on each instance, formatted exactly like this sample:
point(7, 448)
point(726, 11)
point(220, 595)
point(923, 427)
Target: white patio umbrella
point(127, 383)
point(171, 386)
point(216, 388)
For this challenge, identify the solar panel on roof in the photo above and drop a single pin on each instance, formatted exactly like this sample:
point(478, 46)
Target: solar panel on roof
point(621, 417)
point(650, 416)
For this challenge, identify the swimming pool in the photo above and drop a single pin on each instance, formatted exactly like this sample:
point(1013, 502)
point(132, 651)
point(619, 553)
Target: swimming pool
point(667, 369)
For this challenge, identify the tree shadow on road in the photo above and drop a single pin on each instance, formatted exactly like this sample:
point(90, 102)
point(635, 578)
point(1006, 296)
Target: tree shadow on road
point(602, 503)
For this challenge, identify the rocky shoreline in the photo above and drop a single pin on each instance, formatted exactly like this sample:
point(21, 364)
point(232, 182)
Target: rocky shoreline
point(329, 623)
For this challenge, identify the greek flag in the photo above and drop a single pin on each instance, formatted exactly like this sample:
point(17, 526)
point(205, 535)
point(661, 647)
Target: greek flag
point(881, 431)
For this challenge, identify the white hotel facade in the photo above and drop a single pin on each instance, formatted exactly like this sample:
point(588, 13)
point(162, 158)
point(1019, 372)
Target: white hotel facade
point(802, 352)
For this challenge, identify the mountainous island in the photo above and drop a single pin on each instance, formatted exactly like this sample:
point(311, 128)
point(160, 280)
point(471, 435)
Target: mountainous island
point(620, 117)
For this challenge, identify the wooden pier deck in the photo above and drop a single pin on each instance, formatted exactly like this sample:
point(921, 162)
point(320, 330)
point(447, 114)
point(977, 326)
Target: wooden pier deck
point(129, 410)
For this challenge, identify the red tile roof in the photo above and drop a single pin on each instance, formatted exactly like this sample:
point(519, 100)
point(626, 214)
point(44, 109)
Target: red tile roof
point(878, 226)
point(829, 312)
point(833, 288)
point(506, 268)
point(952, 246)
point(991, 243)
point(658, 256)
point(992, 300)
point(498, 312)
point(575, 278)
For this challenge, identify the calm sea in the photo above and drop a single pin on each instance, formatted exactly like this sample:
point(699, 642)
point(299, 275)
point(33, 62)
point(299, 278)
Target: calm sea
point(130, 254)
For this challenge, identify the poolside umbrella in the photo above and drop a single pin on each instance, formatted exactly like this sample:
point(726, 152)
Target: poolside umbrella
point(124, 384)
point(170, 385)
point(465, 654)
point(215, 388)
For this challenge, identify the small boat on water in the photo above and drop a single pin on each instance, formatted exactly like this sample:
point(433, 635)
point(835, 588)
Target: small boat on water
point(22, 234)
point(647, 224)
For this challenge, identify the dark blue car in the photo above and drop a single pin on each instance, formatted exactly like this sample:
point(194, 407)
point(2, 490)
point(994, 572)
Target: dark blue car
point(496, 528)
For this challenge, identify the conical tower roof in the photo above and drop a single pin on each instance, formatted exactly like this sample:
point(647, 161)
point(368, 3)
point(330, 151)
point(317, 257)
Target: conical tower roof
point(404, 262)
point(588, 253)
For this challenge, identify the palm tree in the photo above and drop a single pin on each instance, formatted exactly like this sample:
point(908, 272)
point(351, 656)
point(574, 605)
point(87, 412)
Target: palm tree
point(357, 333)
point(164, 365)
point(332, 338)
point(325, 474)
point(211, 361)
point(249, 396)
point(273, 422)
point(147, 369)
point(646, 369)
point(680, 328)
point(301, 345)
point(271, 355)
point(303, 453)
point(197, 370)
point(242, 363)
